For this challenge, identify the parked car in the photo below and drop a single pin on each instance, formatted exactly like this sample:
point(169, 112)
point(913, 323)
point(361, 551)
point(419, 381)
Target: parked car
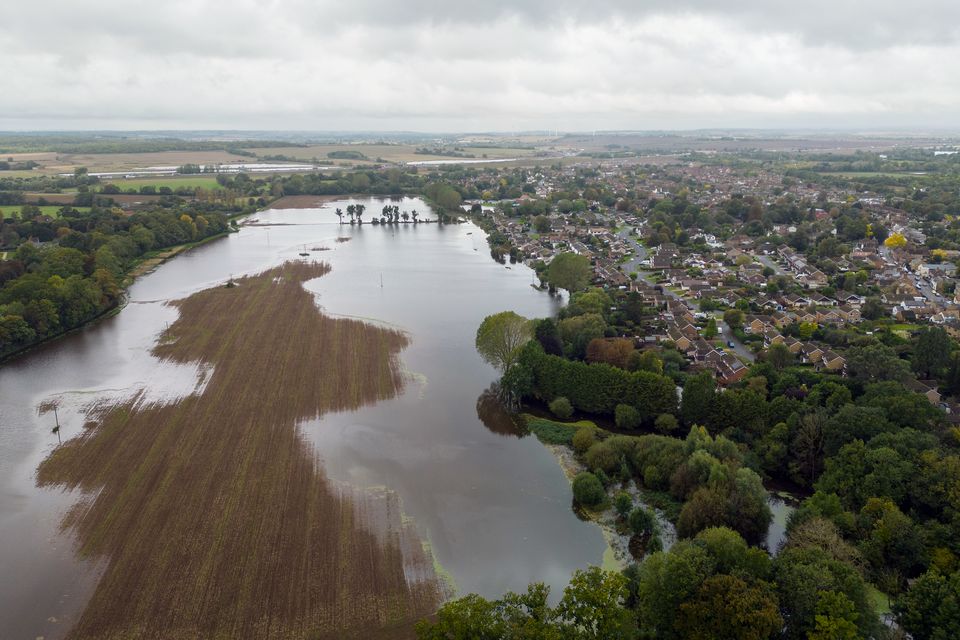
point(731, 344)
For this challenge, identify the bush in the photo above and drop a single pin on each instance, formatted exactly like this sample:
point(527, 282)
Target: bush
point(549, 432)
point(601, 456)
point(587, 490)
point(626, 417)
point(583, 439)
point(623, 503)
point(561, 408)
point(666, 423)
point(642, 521)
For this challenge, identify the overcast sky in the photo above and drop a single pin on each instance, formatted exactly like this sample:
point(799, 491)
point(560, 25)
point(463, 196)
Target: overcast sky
point(482, 65)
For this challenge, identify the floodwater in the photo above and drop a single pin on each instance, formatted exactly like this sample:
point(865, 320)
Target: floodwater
point(494, 508)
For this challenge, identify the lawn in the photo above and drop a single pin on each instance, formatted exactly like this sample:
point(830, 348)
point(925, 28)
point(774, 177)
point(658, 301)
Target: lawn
point(879, 600)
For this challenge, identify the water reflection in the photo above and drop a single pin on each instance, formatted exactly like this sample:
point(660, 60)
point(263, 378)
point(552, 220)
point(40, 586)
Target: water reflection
point(495, 417)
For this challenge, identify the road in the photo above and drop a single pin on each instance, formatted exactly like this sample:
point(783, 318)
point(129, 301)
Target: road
point(767, 261)
point(641, 253)
point(738, 347)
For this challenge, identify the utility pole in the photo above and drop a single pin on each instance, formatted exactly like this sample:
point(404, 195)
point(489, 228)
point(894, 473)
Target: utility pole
point(56, 429)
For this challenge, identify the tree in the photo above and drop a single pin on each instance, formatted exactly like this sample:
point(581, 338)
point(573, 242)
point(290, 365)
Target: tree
point(666, 423)
point(930, 609)
point(895, 241)
point(613, 351)
point(836, 618)
point(570, 271)
point(579, 331)
point(710, 331)
point(932, 354)
point(647, 360)
point(500, 337)
point(779, 356)
point(802, 575)
point(734, 318)
point(876, 362)
point(548, 336)
point(698, 393)
point(583, 439)
point(627, 417)
point(592, 607)
point(587, 489)
point(561, 408)
point(727, 608)
point(468, 617)
point(623, 504)
point(541, 224)
point(642, 521)
point(872, 309)
point(807, 448)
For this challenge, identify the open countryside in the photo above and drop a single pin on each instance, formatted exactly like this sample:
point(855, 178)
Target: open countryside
point(460, 321)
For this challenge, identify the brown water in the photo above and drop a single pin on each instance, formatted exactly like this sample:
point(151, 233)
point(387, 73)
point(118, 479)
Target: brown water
point(494, 508)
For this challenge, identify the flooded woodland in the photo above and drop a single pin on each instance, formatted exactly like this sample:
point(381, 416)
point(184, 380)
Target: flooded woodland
point(304, 452)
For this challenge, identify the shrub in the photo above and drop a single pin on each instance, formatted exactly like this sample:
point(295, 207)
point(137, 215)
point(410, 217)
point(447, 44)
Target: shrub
point(626, 417)
point(583, 439)
point(549, 432)
point(561, 408)
point(642, 521)
point(587, 489)
point(666, 423)
point(623, 503)
point(601, 456)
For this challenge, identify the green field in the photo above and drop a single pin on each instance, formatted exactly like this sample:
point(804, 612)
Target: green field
point(48, 210)
point(190, 182)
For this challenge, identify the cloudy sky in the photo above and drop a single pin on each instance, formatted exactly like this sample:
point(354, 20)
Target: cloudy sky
point(480, 65)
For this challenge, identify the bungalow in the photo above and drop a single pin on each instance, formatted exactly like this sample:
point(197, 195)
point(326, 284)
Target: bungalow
point(927, 388)
point(756, 324)
point(832, 361)
point(771, 336)
point(810, 353)
point(681, 341)
point(792, 344)
point(795, 301)
point(781, 320)
point(730, 370)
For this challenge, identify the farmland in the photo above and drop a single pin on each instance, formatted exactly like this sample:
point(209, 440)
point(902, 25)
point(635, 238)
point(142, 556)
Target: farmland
point(174, 182)
point(48, 210)
point(388, 152)
point(213, 515)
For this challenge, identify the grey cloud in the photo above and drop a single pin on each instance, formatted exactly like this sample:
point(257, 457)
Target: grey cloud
point(481, 65)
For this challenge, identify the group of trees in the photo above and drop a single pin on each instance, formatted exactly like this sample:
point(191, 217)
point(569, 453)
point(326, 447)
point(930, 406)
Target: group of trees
point(711, 586)
point(882, 462)
point(76, 274)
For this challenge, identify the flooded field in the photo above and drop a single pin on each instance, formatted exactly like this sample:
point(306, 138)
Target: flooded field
point(243, 463)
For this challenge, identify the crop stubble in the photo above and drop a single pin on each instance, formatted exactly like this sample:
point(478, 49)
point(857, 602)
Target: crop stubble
point(214, 515)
